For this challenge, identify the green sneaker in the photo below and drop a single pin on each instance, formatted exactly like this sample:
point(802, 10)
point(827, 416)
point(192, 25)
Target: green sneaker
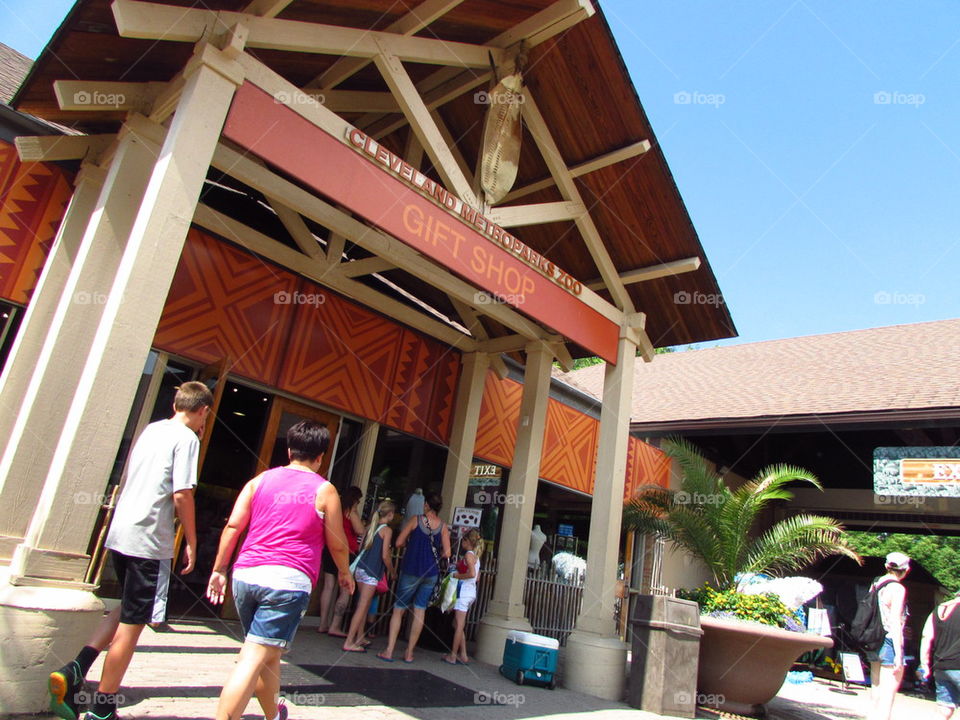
point(64, 686)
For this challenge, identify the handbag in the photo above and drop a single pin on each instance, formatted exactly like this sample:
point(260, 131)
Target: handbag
point(450, 592)
point(384, 584)
point(437, 593)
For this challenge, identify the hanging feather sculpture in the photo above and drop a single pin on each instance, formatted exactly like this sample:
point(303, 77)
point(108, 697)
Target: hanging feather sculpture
point(502, 134)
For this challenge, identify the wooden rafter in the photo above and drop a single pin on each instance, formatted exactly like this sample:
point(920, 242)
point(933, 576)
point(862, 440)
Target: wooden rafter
point(151, 21)
point(266, 8)
point(53, 148)
point(424, 126)
point(471, 320)
point(568, 189)
point(410, 24)
point(269, 248)
point(367, 266)
point(294, 224)
point(381, 244)
point(519, 215)
point(446, 84)
point(605, 160)
point(652, 272)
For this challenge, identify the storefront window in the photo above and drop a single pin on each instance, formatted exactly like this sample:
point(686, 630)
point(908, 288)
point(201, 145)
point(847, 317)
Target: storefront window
point(402, 464)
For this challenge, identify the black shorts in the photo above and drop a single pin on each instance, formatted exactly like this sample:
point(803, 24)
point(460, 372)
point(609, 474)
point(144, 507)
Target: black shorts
point(143, 588)
point(327, 563)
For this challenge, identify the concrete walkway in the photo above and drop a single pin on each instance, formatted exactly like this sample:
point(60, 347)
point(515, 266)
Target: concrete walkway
point(177, 674)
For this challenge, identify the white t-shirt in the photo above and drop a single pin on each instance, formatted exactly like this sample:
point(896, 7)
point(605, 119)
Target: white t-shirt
point(163, 461)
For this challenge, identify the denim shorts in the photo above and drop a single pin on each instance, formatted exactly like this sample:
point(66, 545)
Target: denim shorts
point(414, 590)
point(948, 687)
point(268, 616)
point(886, 652)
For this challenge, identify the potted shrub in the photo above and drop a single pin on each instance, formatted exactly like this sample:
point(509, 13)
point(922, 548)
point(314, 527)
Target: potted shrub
point(746, 652)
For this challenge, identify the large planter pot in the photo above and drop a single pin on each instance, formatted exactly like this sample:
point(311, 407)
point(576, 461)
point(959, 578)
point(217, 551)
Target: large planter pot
point(743, 665)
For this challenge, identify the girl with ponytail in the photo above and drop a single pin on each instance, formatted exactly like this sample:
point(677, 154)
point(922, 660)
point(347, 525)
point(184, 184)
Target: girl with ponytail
point(373, 562)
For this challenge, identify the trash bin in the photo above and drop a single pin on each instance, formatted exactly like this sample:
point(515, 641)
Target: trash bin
point(665, 651)
point(527, 656)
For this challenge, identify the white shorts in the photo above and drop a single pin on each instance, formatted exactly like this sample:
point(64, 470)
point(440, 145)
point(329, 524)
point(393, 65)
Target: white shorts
point(466, 597)
point(364, 577)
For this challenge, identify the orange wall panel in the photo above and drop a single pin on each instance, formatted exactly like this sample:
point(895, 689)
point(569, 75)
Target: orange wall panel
point(343, 355)
point(227, 303)
point(499, 411)
point(646, 465)
point(33, 197)
point(569, 447)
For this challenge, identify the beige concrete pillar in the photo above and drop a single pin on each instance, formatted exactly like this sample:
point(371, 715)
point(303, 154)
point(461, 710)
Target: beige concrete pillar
point(56, 540)
point(46, 296)
point(40, 385)
point(367, 447)
point(506, 611)
point(463, 433)
point(595, 657)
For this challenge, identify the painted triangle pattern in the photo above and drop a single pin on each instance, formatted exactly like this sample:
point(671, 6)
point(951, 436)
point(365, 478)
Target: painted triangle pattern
point(344, 356)
point(445, 393)
point(499, 413)
point(646, 465)
point(569, 447)
point(33, 197)
point(228, 303)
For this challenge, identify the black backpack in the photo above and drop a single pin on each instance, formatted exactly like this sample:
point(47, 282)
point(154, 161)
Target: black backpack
point(867, 628)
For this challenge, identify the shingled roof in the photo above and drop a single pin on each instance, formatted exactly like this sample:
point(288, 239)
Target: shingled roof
point(13, 69)
point(881, 370)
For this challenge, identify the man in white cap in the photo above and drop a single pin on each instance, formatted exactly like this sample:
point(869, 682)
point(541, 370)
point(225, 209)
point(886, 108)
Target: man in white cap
point(886, 665)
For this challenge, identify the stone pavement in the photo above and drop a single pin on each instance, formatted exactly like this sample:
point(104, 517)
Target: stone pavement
point(177, 674)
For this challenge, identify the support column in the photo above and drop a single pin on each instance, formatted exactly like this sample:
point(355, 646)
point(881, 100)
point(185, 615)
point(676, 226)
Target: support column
point(506, 611)
point(40, 384)
point(367, 447)
point(595, 655)
point(52, 557)
point(56, 540)
point(463, 433)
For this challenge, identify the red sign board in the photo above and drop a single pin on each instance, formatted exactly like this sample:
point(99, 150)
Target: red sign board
point(331, 167)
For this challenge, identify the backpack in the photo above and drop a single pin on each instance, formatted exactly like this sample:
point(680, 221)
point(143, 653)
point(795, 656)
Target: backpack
point(867, 627)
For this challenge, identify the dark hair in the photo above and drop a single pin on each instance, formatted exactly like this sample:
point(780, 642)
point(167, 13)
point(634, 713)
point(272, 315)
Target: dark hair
point(307, 439)
point(192, 396)
point(434, 501)
point(351, 496)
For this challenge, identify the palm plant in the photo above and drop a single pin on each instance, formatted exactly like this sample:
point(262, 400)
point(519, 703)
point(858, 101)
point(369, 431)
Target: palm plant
point(716, 524)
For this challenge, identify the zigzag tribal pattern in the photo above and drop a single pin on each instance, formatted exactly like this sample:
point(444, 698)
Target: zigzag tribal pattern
point(570, 445)
point(285, 331)
point(33, 197)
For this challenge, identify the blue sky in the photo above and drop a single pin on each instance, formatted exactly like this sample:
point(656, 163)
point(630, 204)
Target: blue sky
point(816, 144)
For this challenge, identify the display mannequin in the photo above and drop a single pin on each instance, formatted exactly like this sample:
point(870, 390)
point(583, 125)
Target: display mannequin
point(537, 539)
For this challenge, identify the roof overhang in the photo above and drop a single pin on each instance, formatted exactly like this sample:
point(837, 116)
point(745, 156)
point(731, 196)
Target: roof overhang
point(593, 192)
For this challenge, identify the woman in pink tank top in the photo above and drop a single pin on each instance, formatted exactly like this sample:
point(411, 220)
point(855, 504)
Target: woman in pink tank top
point(290, 514)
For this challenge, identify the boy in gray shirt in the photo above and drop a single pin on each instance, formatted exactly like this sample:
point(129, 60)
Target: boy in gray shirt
point(161, 476)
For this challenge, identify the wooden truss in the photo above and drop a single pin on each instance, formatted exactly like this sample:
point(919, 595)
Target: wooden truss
point(461, 67)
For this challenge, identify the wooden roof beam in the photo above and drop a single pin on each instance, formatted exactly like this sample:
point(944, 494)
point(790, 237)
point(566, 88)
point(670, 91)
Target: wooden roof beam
point(410, 24)
point(651, 272)
point(366, 266)
point(588, 230)
point(406, 258)
point(266, 8)
point(424, 126)
point(150, 21)
point(471, 320)
point(294, 224)
point(520, 215)
point(53, 148)
point(216, 222)
point(602, 161)
point(446, 84)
